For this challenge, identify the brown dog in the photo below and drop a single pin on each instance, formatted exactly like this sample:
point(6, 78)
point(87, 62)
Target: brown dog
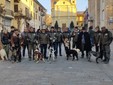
point(38, 56)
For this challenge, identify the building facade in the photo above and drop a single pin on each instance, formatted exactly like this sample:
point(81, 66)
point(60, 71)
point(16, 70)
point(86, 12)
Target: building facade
point(6, 14)
point(21, 14)
point(64, 12)
point(100, 13)
point(106, 12)
point(80, 18)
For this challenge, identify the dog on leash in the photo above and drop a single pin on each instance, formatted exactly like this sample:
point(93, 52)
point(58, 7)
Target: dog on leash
point(69, 52)
point(38, 56)
point(3, 54)
point(51, 56)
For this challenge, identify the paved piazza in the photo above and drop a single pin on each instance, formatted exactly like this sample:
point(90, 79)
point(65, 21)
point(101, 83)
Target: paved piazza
point(61, 72)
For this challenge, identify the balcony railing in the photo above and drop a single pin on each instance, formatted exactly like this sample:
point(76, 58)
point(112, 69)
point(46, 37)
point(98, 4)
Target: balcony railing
point(9, 13)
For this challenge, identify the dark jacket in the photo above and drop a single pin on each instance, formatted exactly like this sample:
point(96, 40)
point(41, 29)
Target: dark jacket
point(65, 35)
point(106, 38)
point(87, 45)
point(75, 36)
point(5, 39)
point(97, 37)
point(43, 38)
point(59, 36)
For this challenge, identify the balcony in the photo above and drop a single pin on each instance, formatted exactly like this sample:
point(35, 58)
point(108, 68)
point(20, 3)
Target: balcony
point(9, 13)
point(21, 15)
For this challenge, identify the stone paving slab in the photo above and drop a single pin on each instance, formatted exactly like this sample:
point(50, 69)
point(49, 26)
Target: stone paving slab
point(61, 72)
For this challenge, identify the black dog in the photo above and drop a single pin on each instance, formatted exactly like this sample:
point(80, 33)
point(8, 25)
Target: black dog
point(71, 51)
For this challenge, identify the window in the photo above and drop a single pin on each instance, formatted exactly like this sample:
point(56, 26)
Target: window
point(63, 2)
point(15, 8)
point(39, 18)
point(16, 1)
point(39, 8)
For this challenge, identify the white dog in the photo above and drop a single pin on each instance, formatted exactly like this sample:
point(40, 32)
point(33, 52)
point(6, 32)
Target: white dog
point(51, 54)
point(3, 54)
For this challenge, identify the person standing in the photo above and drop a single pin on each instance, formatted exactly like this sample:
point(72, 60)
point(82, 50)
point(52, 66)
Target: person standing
point(105, 41)
point(5, 41)
point(91, 33)
point(31, 45)
point(74, 36)
point(16, 46)
point(97, 35)
point(43, 41)
point(25, 40)
point(59, 41)
point(53, 40)
point(83, 42)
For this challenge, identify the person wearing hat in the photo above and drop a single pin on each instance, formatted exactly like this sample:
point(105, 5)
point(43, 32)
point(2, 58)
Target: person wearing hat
point(59, 41)
point(97, 35)
point(83, 42)
point(31, 45)
point(43, 41)
point(53, 40)
point(105, 41)
point(5, 41)
point(74, 36)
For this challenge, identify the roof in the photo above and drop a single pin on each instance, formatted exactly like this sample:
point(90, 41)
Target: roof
point(40, 4)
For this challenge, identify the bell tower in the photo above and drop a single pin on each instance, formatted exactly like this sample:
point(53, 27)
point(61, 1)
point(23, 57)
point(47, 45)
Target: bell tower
point(53, 2)
point(73, 2)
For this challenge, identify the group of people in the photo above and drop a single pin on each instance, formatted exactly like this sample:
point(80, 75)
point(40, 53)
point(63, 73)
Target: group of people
point(84, 40)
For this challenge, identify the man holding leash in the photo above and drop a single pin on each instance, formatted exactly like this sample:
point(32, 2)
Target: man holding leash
point(105, 41)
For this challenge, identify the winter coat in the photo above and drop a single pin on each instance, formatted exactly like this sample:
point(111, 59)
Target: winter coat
point(87, 45)
point(43, 38)
point(106, 38)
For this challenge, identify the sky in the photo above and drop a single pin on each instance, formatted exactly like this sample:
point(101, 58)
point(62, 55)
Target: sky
point(81, 5)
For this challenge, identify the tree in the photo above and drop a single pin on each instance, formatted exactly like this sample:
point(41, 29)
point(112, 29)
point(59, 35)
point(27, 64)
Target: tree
point(56, 25)
point(71, 25)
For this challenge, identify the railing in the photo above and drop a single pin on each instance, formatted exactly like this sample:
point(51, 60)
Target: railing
point(9, 12)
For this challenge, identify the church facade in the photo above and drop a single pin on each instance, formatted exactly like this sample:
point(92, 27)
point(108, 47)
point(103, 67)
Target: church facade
point(64, 12)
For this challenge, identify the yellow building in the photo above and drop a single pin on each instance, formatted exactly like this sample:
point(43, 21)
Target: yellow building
point(23, 12)
point(64, 12)
point(6, 13)
point(38, 21)
point(48, 20)
point(80, 18)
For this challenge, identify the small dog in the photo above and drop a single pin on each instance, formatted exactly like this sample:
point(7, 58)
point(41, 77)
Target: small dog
point(69, 51)
point(38, 56)
point(51, 54)
point(96, 54)
point(3, 55)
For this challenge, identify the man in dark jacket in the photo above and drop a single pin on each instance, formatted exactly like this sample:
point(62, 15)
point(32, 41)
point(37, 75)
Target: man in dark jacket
point(43, 41)
point(53, 40)
point(31, 44)
point(25, 40)
point(83, 42)
point(97, 35)
point(105, 41)
point(74, 36)
point(5, 41)
point(59, 41)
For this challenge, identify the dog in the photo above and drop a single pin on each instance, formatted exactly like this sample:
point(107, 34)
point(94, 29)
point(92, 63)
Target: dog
point(51, 54)
point(38, 56)
point(96, 54)
point(3, 54)
point(69, 52)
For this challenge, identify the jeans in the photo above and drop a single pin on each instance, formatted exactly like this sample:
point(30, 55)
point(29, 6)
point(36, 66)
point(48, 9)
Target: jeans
point(43, 48)
point(59, 46)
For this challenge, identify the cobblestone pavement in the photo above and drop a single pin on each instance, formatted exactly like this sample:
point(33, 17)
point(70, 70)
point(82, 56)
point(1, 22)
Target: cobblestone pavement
point(61, 72)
